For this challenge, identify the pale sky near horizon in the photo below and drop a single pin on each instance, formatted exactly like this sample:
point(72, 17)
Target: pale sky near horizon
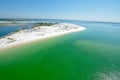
point(97, 10)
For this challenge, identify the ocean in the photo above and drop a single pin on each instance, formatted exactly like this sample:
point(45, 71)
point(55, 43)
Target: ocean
point(92, 54)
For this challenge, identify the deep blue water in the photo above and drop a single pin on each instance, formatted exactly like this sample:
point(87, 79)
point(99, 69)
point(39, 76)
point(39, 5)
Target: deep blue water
point(5, 30)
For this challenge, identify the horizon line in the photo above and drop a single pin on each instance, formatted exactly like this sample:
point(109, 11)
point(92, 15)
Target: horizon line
point(64, 19)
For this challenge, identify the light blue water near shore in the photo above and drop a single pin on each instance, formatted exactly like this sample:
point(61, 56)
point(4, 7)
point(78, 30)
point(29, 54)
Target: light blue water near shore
point(92, 54)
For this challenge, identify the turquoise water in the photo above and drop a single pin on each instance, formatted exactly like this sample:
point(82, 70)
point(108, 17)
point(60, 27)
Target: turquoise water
point(92, 54)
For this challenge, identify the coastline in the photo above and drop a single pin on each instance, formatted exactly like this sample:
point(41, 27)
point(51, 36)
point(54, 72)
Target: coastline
point(30, 35)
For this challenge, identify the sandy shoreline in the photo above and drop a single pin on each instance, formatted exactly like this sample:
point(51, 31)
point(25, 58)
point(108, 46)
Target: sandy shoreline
point(38, 33)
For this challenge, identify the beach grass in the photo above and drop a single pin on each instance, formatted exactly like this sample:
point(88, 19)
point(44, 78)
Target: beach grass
point(43, 24)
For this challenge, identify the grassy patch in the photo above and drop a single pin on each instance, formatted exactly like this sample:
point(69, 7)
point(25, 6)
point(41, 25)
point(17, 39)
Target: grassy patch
point(43, 24)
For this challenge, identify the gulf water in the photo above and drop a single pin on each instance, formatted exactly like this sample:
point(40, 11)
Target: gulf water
point(93, 54)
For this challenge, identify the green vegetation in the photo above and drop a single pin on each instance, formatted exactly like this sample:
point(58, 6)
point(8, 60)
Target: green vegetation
point(37, 25)
point(23, 28)
point(17, 30)
point(43, 24)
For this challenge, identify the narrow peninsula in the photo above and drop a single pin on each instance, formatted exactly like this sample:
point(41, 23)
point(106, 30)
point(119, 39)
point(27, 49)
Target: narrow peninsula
point(38, 32)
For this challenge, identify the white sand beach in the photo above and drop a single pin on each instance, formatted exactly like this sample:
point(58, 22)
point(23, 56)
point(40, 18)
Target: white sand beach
point(38, 33)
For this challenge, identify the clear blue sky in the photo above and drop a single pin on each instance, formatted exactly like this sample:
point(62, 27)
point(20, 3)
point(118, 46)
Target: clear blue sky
point(100, 10)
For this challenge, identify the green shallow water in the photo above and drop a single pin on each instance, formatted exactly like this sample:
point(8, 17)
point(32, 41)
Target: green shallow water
point(92, 54)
